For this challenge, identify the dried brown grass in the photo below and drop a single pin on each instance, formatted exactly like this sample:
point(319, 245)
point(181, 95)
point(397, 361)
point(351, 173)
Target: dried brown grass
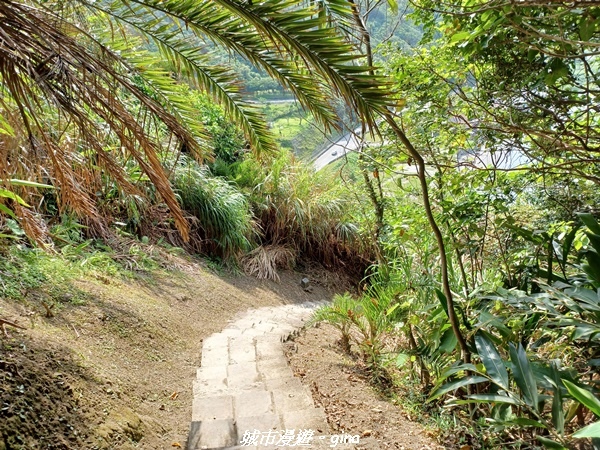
point(68, 100)
point(263, 261)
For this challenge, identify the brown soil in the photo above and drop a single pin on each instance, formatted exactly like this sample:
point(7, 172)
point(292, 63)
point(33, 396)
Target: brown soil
point(352, 405)
point(117, 371)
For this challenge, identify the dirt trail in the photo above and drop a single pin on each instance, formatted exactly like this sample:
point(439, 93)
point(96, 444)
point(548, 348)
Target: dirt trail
point(116, 372)
point(353, 406)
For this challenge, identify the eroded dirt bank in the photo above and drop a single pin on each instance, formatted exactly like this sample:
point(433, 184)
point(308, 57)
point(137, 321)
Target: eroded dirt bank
point(116, 371)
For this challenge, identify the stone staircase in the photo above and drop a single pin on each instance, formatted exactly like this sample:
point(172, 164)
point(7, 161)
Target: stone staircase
point(246, 395)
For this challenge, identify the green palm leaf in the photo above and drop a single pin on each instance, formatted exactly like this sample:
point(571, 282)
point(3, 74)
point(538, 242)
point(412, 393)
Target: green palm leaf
point(524, 375)
point(494, 365)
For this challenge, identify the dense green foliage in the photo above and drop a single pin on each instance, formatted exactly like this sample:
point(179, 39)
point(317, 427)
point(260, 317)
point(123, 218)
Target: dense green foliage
point(494, 314)
point(499, 104)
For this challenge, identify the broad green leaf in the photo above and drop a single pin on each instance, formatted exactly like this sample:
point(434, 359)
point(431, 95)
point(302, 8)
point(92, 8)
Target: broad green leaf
point(568, 243)
point(589, 298)
point(453, 385)
point(14, 227)
point(592, 268)
point(586, 28)
point(532, 54)
point(585, 331)
point(454, 369)
point(594, 240)
point(393, 4)
point(590, 222)
point(448, 341)
point(443, 301)
point(591, 431)
point(502, 412)
point(9, 194)
point(491, 360)
point(549, 443)
point(558, 415)
point(525, 422)
point(524, 375)
point(460, 36)
point(489, 319)
point(6, 210)
point(583, 396)
point(490, 398)
point(558, 70)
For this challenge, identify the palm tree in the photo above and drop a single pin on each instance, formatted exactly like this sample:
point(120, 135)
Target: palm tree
point(79, 90)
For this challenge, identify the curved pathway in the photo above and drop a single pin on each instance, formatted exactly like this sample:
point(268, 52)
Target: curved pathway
point(347, 143)
point(246, 395)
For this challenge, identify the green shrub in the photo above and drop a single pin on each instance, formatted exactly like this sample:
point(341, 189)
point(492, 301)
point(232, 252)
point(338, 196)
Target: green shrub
point(304, 211)
point(222, 212)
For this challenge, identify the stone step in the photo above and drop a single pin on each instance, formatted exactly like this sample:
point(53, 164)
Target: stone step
point(215, 434)
point(242, 350)
point(292, 399)
point(285, 383)
point(216, 341)
point(263, 423)
point(309, 418)
point(253, 403)
point(215, 357)
point(274, 368)
point(244, 376)
point(245, 385)
point(211, 388)
point(212, 408)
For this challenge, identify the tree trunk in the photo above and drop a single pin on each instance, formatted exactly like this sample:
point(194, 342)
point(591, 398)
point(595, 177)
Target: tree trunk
point(452, 317)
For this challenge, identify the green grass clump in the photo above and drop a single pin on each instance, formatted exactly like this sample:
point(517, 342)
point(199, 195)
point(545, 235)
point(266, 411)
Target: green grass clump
point(20, 272)
point(25, 270)
point(50, 273)
point(222, 211)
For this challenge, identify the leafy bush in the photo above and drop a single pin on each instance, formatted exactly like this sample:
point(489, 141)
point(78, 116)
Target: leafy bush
point(367, 322)
point(223, 213)
point(300, 210)
point(539, 356)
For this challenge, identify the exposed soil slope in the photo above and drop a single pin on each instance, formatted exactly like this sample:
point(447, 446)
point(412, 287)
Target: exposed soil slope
point(117, 371)
point(353, 407)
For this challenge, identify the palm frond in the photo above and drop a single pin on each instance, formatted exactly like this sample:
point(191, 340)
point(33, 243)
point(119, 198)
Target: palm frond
point(42, 65)
point(308, 37)
point(189, 59)
point(285, 37)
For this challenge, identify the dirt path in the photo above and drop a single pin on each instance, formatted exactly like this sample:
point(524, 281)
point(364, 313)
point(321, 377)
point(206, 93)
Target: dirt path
point(247, 395)
point(352, 405)
point(116, 371)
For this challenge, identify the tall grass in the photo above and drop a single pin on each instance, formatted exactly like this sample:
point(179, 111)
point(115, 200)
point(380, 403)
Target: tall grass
point(225, 221)
point(299, 209)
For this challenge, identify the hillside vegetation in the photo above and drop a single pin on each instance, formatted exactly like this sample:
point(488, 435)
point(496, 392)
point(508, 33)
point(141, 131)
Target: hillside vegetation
point(468, 218)
point(108, 354)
